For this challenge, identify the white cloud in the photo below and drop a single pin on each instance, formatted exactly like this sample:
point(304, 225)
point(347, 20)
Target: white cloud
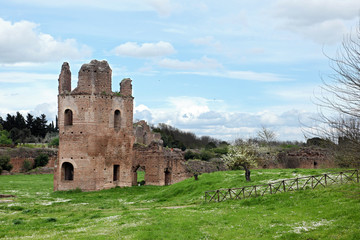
point(163, 7)
point(26, 99)
point(316, 11)
point(204, 117)
point(49, 109)
point(323, 21)
point(244, 75)
point(145, 50)
point(194, 64)
point(21, 42)
point(207, 41)
point(21, 77)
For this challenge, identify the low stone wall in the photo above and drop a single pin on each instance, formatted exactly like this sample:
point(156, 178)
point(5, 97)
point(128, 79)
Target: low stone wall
point(198, 166)
point(19, 155)
point(306, 158)
point(18, 163)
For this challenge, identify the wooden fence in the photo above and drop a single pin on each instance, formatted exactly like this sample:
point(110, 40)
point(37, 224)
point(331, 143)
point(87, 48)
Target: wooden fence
point(287, 185)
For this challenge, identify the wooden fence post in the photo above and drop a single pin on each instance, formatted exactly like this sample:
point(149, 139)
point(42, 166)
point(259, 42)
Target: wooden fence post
point(284, 186)
point(277, 185)
point(325, 175)
point(297, 183)
point(312, 182)
point(341, 177)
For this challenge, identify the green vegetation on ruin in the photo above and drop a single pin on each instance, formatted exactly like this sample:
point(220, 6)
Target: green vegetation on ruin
point(178, 211)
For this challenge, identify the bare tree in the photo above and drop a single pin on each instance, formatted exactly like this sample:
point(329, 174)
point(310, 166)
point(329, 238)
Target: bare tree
point(339, 102)
point(267, 136)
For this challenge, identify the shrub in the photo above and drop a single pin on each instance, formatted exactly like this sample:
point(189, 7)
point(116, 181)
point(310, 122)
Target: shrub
point(41, 160)
point(206, 155)
point(27, 165)
point(221, 150)
point(54, 142)
point(191, 155)
point(5, 163)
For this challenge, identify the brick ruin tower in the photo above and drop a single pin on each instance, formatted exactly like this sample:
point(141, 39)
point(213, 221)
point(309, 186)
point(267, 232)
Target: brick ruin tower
point(95, 130)
point(97, 136)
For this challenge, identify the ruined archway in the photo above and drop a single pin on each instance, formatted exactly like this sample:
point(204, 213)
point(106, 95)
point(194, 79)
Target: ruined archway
point(67, 171)
point(139, 176)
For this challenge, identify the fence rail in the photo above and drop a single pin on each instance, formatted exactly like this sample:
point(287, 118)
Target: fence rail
point(287, 185)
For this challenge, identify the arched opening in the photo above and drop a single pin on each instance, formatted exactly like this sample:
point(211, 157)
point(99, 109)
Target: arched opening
point(315, 164)
point(138, 176)
point(67, 171)
point(167, 177)
point(117, 119)
point(68, 117)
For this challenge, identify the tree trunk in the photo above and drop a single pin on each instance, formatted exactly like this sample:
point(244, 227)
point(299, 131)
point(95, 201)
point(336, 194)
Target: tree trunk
point(247, 174)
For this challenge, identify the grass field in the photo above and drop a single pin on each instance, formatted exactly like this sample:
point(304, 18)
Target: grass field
point(178, 211)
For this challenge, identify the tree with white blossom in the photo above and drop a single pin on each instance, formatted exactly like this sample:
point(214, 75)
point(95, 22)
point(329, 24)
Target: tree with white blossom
point(241, 157)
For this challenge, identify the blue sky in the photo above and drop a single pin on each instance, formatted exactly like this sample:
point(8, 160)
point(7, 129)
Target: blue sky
point(217, 68)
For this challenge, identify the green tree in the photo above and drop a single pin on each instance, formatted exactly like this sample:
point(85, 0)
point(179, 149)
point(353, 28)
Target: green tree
point(241, 157)
point(30, 122)
point(5, 163)
point(5, 138)
point(40, 126)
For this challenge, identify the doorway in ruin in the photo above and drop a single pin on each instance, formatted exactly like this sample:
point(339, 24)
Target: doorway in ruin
point(139, 176)
point(116, 173)
point(167, 177)
point(67, 171)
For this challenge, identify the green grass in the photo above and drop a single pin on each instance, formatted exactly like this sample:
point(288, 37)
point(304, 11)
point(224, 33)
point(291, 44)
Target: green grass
point(178, 211)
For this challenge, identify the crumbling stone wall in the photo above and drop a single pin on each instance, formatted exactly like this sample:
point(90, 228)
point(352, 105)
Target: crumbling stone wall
point(95, 131)
point(306, 158)
point(18, 163)
point(198, 166)
point(162, 166)
point(19, 155)
point(144, 135)
point(96, 136)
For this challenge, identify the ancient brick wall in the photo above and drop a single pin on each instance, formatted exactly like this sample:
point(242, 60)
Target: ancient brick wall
point(143, 134)
point(18, 163)
point(94, 78)
point(162, 166)
point(198, 166)
point(20, 154)
point(95, 133)
point(96, 136)
point(305, 158)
